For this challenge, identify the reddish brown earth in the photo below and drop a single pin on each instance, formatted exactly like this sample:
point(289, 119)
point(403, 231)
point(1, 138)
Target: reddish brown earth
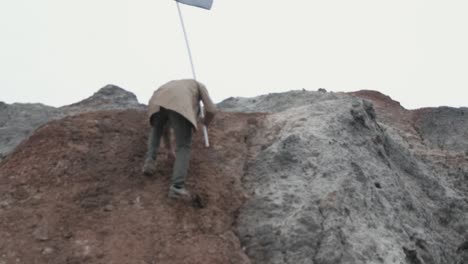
point(388, 110)
point(74, 193)
point(391, 113)
point(411, 125)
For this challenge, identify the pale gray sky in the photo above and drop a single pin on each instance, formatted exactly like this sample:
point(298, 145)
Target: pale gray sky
point(60, 51)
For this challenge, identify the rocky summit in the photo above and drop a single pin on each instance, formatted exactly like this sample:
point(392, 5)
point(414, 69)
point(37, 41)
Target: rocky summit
point(295, 177)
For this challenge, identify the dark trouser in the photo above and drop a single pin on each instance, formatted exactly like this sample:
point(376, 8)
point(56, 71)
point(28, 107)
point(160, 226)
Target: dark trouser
point(183, 134)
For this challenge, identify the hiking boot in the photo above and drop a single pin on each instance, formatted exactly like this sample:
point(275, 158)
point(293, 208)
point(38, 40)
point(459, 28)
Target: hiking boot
point(149, 168)
point(180, 193)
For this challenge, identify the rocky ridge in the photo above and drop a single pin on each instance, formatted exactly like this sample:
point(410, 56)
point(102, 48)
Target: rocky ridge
point(18, 121)
point(315, 177)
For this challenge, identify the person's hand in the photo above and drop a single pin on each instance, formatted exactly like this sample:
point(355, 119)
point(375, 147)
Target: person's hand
point(207, 119)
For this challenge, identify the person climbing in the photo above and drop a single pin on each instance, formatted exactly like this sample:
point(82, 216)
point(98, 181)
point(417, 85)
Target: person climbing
point(176, 104)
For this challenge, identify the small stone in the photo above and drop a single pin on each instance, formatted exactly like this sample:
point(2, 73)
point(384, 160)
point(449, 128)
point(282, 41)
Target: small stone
point(137, 202)
point(37, 196)
point(41, 234)
point(4, 204)
point(68, 235)
point(47, 251)
point(108, 208)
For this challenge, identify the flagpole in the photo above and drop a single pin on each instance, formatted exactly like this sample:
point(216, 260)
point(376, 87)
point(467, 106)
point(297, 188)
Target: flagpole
point(186, 40)
point(202, 114)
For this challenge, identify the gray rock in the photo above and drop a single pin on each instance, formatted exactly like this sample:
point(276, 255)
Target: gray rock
point(18, 121)
point(47, 251)
point(444, 127)
point(329, 184)
point(41, 233)
point(462, 251)
point(108, 208)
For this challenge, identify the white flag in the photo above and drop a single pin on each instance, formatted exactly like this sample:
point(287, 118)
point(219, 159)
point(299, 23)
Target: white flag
point(206, 4)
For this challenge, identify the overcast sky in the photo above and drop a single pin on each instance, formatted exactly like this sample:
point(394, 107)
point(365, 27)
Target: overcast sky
point(58, 52)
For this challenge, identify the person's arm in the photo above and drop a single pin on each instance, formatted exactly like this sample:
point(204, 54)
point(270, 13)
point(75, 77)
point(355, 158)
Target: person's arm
point(209, 107)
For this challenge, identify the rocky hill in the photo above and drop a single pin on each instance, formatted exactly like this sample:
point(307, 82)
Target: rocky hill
point(18, 121)
point(337, 180)
point(297, 177)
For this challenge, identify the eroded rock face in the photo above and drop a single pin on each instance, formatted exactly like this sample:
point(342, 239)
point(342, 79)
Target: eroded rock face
point(331, 183)
point(18, 121)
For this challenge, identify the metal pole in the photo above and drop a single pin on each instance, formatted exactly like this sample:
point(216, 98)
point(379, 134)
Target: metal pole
point(205, 130)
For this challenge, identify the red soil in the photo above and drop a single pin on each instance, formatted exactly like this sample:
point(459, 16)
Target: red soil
point(74, 193)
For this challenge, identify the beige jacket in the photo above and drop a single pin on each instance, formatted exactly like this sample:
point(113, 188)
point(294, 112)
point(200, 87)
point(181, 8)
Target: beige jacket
point(183, 97)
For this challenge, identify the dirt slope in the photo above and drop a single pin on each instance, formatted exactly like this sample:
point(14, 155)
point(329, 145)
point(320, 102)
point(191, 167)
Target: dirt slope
point(73, 193)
